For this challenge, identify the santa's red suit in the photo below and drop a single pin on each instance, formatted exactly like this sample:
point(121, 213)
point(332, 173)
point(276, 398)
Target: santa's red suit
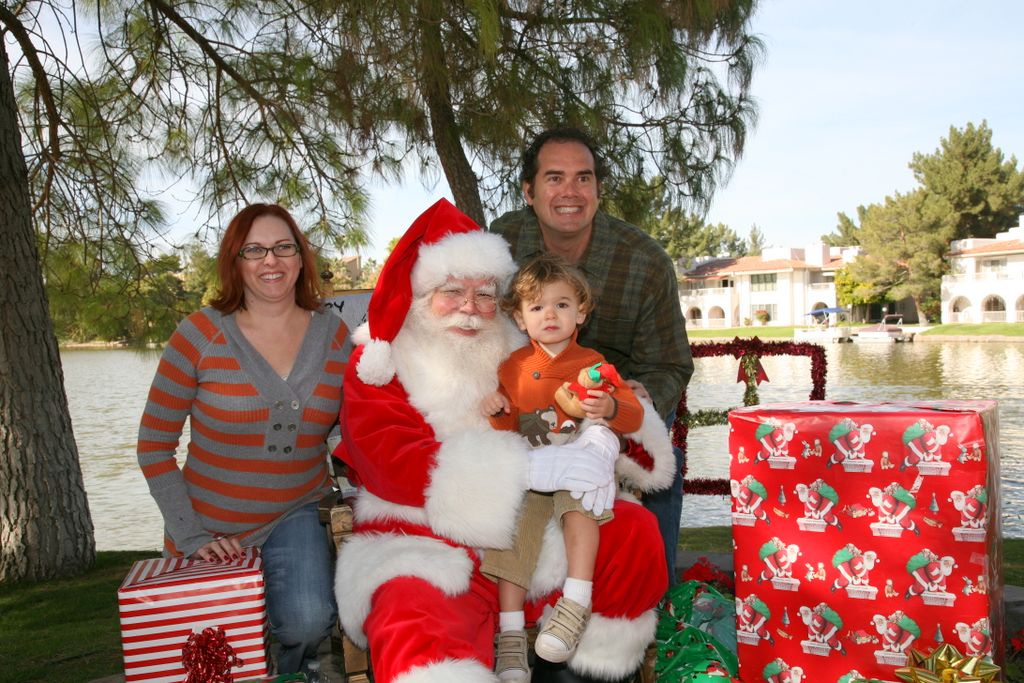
point(438, 485)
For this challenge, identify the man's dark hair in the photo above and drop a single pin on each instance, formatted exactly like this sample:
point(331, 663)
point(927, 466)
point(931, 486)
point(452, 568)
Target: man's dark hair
point(529, 168)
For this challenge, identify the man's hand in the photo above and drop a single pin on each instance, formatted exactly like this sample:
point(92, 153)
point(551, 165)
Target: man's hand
point(220, 549)
point(639, 389)
point(495, 403)
point(585, 468)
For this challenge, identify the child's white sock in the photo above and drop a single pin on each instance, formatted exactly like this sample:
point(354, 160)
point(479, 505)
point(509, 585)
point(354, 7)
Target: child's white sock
point(578, 591)
point(511, 621)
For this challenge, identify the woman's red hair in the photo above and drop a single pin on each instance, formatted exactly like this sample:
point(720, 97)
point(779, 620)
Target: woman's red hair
point(231, 294)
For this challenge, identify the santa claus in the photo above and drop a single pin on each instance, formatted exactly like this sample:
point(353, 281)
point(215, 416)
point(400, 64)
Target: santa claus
point(437, 485)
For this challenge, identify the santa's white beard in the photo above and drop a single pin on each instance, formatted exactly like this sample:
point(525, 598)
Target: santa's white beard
point(447, 374)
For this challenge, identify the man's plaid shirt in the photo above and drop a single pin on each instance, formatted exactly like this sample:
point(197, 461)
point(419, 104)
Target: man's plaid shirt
point(637, 323)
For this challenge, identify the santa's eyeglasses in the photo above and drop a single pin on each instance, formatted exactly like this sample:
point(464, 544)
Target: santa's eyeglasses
point(485, 302)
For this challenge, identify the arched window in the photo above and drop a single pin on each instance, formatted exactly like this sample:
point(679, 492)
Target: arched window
point(993, 309)
point(960, 310)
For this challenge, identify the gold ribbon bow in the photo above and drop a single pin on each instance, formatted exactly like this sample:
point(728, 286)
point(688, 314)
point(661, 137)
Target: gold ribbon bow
point(946, 665)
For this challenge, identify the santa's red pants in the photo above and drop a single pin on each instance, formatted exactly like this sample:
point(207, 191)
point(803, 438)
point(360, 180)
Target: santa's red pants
point(417, 632)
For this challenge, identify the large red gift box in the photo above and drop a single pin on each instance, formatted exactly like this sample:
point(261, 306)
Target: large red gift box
point(163, 601)
point(862, 531)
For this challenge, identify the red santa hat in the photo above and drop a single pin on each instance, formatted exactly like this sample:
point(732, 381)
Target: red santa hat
point(442, 243)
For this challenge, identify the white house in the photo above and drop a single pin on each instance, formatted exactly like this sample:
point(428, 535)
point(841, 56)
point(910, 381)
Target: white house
point(986, 284)
point(785, 282)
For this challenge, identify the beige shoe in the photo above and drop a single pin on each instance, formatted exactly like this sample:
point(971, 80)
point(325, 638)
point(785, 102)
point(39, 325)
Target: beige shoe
point(561, 634)
point(510, 662)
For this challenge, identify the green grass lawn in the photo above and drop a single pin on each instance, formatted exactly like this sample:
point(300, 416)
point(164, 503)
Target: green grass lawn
point(1001, 329)
point(67, 630)
point(767, 332)
point(786, 332)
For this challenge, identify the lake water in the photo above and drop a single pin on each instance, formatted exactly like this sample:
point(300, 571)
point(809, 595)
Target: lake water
point(107, 391)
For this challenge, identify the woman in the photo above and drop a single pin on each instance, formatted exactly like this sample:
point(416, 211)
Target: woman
point(259, 376)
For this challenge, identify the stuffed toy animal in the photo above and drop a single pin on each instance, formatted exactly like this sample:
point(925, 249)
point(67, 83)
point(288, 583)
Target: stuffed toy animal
point(600, 376)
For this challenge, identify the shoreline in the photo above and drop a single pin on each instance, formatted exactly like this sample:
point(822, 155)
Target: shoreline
point(924, 338)
point(122, 344)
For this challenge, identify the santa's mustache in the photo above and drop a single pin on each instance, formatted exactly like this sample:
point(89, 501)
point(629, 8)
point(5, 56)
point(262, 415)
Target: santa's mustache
point(464, 321)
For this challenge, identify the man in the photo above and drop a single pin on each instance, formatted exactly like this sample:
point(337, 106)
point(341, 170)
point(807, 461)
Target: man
point(637, 323)
point(438, 485)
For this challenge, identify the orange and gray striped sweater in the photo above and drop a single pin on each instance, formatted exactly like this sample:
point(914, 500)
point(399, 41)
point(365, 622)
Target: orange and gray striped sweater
point(258, 442)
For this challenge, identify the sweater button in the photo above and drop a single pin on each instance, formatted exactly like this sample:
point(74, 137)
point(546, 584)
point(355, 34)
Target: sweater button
point(272, 449)
point(287, 449)
point(295, 405)
point(536, 375)
point(277, 427)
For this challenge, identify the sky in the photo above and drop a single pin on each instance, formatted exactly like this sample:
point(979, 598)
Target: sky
point(847, 92)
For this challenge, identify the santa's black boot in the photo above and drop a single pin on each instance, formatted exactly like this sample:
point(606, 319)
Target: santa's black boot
point(546, 672)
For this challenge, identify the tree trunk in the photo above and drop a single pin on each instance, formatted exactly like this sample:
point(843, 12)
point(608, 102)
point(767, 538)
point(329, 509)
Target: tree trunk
point(461, 178)
point(45, 526)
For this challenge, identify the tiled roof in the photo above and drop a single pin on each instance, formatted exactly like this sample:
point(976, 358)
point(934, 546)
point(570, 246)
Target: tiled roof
point(753, 264)
point(993, 248)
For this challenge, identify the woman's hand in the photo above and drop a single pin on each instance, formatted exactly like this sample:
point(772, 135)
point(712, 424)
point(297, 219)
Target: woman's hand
point(220, 549)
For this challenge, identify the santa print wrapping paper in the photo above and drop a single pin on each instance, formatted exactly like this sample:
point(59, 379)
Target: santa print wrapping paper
point(862, 531)
point(164, 600)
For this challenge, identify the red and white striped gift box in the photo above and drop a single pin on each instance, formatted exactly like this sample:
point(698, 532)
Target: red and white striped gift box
point(163, 601)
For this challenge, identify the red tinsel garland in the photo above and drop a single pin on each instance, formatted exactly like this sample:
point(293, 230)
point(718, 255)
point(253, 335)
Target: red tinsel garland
point(208, 658)
point(748, 351)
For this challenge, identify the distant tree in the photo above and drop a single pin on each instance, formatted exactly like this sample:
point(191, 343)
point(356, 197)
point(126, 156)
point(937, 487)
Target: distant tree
point(905, 241)
point(755, 241)
point(370, 273)
point(850, 292)
point(684, 235)
point(162, 301)
point(847, 233)
point(199, 274)
point(984, 191)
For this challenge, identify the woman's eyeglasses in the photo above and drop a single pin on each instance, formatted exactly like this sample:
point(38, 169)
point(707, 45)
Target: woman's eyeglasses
point(255, 252)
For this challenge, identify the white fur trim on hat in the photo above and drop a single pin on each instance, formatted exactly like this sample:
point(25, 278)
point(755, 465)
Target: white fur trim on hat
point(368, 561)
point(613, 648)
point(475, 254)
point(375, 365)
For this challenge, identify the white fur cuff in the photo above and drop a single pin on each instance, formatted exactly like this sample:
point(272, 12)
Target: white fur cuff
point(656, 440)
point(368, 561)
point(449, 671)
point(477, 487)
point(614, 647)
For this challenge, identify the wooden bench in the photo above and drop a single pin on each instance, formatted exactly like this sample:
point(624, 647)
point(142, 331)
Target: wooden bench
point(336, 515)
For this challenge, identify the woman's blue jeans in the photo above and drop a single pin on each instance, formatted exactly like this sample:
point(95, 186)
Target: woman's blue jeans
point(298, 573)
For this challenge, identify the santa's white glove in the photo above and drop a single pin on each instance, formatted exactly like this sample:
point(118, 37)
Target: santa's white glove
point(585, 468)
point(597, 500)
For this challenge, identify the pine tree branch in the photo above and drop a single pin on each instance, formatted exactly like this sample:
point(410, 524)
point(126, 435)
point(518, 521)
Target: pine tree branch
point(28, 48)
